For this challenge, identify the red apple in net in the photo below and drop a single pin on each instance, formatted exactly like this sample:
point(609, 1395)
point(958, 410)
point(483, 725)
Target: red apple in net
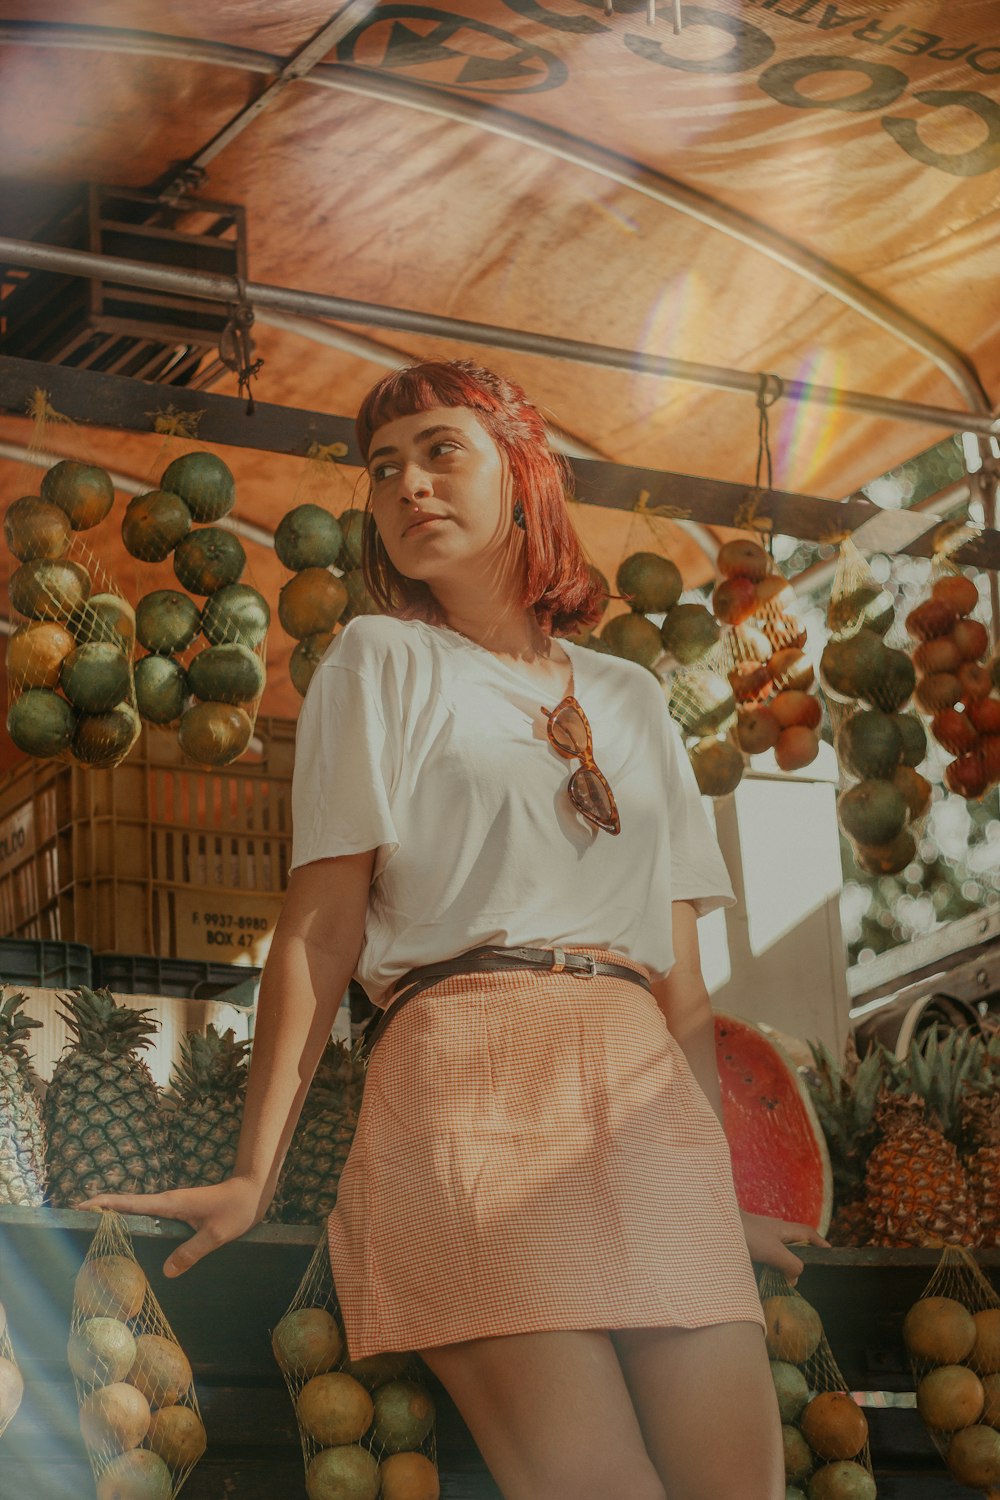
point(971, 638)
point(793, 708)
point(734, 600)
point(932, 618)
point(757, 730)
point(955, 731)
point(749, 680)
point(791, 668)
point(989, 749)
point(985, 714)
point(741, 558)
point(957, 592)
point(939, 690)
point(797, 747)
point(968, 775)
point(976, 681)
point(938, 655)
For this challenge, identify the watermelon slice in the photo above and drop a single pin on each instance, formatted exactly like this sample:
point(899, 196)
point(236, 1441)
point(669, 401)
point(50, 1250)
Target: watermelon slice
point(781, 1165)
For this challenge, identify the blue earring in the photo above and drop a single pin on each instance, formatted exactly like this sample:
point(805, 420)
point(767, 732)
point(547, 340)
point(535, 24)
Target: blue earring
point(519, 516)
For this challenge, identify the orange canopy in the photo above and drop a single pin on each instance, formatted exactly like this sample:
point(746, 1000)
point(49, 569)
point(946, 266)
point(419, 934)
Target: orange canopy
point(791, 186)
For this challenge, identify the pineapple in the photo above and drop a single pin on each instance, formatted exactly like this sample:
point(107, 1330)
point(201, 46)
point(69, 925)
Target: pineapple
point(308, 1186)
point(917, 1189)
point(102, 1112)
point(845, 1100)
point(981, 1126)
point(22, 1140)
point(209, 1085)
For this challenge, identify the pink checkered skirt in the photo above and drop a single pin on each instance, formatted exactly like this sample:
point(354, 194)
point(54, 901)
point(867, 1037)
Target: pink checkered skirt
point(533, 1153)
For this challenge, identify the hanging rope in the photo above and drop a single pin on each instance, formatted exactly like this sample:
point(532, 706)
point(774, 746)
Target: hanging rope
point(766, 397)
point(609, 10)
point(236, 346)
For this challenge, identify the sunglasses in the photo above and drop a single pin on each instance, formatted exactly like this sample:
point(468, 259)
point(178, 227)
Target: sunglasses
point(569, 733)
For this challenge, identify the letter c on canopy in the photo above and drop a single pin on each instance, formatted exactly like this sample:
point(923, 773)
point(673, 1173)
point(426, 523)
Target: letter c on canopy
point(884, 87)
point(972, 163)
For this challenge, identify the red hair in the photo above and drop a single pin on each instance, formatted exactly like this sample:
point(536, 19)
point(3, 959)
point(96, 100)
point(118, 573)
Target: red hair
point(559, 585)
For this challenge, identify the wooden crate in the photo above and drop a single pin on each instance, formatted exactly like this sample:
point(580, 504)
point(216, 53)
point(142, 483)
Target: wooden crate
point(157, 856)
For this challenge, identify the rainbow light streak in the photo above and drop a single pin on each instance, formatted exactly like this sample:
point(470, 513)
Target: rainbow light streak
point(675, 311)
point(802, 432)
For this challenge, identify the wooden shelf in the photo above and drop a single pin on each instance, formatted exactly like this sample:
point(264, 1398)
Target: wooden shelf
point(224, 1308)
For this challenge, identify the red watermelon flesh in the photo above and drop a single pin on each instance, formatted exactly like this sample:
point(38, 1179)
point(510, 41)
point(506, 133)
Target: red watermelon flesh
point(781, 1165)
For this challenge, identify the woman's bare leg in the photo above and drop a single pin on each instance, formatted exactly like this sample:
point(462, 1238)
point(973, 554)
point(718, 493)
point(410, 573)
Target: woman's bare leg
point(707, 1410)
point(551, 1415)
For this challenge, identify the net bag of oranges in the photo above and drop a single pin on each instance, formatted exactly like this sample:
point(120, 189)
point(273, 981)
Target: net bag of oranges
point(138, 1410)
point(204, 667)
point(71, 687)
point(868, 683)
point(323, 553)
point(952, 1336)
point(11, 1381)
point(956, 686)
point(367, 1425)
point(824, 1431)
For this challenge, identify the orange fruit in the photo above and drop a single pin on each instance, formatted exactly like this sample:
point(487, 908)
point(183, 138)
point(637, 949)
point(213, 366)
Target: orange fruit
point(213, 734)
point(757, 730)
point(49, 590)
point(950, 1397)
point(932, 618)
point(161, 1370)
point(718, 767)
point(916, 790)
point(36, 652)
point(834, 1425)
point(985, 1356)
point(974, 1457)
point(409, 1476)
point(887, 859)
point(307, 1342)
point(968, 776)
point(791, 668)
point(937, 691)
point(792, 707)
point(83, 491)
point(176, 1433)
point(109, 1286)
point(650, 583)
point(313, 601)
point(36, 528)
point(334, 1409)
point(209, 559)
point(985, 715)
point(938, 655)
point(115, 1416)
point(153, 524)
point(939, 1329)
point(955, 731)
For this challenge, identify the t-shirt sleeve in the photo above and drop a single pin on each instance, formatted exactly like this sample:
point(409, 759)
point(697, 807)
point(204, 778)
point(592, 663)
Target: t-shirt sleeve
point(697, 870)
point(344, 771)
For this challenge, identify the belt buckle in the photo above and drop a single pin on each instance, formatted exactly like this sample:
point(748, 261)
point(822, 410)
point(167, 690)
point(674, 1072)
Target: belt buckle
point(590, 972)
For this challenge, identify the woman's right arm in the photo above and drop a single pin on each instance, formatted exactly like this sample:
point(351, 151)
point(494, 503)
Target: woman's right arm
point(314, 952)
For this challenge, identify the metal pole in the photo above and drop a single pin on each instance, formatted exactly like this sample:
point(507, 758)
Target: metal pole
point(322, 305)
point(410, 94)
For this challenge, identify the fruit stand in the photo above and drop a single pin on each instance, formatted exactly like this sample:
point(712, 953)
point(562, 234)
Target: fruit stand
point(743, 258)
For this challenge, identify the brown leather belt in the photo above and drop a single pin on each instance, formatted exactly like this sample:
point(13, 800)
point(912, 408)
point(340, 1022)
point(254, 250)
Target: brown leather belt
point(495, 960)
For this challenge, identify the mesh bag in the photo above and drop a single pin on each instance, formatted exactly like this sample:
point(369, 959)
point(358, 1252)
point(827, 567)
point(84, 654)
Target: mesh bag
point(200, 618)
point(957, 688)
point(11, 1382)
point(825, 1432)
point(952, 1335)
point(868, 678)
point(366, 1426)
point(71, 687)
point(701, 702)
point(138, 1409)
point(310, 541)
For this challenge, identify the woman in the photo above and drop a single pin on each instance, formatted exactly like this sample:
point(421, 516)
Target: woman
point(539, 1197)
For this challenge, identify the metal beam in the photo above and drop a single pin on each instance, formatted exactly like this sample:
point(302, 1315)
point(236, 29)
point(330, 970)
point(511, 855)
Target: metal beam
point(297, 67)
point(116, 401)
point(612, 166)
point(28, 254)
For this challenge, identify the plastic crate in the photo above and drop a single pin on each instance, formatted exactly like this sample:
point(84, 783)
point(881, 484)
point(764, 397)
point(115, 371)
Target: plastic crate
point(51, 965)
point(156, 856)
point(188, 978)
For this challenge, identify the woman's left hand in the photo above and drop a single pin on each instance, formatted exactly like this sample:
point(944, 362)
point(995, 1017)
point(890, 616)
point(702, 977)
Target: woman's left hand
point(767, 1240)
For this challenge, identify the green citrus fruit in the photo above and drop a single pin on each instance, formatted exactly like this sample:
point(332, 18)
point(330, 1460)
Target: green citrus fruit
point(83, 491)
point(650, 583)
point(41, 723)
point(153, 524)
point(166, 621)
point(95, 677)
point(161, 689)
point(308, 537)
point(49, 590)
point(237, 614)
point(209, 559)
point(204, 483)
point(36, 528)
point(226, 674)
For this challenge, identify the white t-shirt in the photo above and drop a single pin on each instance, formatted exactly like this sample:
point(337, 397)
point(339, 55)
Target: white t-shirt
point(426, 747)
